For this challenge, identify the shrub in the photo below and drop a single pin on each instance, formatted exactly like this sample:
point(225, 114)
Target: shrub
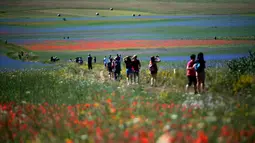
point(242, 65)
point(238, 79)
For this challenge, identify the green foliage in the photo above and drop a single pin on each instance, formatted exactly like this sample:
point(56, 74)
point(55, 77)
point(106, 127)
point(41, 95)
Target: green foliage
point(238, 78)
point(12, 51)
point(243, 65)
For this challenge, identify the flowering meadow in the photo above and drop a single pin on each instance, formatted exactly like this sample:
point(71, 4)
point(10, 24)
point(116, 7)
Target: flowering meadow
point(71, 104)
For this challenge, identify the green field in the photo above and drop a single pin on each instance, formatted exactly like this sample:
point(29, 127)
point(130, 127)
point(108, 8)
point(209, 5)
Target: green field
point(25, 7)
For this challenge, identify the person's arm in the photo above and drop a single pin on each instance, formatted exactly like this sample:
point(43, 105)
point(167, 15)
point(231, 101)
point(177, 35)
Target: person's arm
point(158, 60)
point(139, 64)
point(125, 58)
point(188, 66)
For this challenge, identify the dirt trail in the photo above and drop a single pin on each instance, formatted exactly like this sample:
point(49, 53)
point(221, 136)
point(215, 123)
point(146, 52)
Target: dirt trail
point(102, 78)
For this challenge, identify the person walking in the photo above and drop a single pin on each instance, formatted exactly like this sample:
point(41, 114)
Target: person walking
point(89, 62)
point(128, 63)
point(95, 59)
point(136, 65)
point(154, 69)
point(116, 68)
point(109, 67)
point(200, 72)
point(191, 74)
point(105, 61)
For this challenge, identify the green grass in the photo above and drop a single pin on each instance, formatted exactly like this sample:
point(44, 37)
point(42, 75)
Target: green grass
point(170, 32)
point(10, 47)
point(52, 13)
point(68, 23)
point(12, 51)
point(155, 7)
point(92, 12)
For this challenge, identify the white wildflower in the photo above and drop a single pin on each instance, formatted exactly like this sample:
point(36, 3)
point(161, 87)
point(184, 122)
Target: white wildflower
point(166, 128)
point(200, 125)
point(174, 116)
point(136, 120)
point(84, 137)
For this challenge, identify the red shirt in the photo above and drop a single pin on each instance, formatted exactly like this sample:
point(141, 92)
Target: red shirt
point(191, 72)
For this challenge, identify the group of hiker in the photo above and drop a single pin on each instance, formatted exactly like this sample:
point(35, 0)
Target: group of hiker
point(113, 65)
point(195, 69)
point(54, 58)
point(132, 66)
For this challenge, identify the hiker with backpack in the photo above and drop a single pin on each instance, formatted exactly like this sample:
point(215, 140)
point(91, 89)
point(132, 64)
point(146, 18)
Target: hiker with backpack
point(136, 65)
point(109, 67)
point(116, 68)
point(191, 74)
point(128, 63)
point(200, 72)
point(154, 69)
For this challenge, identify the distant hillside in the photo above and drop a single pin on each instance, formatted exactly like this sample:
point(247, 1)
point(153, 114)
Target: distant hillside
point(154, 6)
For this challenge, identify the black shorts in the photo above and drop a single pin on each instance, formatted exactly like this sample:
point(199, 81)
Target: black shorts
point(192, 79)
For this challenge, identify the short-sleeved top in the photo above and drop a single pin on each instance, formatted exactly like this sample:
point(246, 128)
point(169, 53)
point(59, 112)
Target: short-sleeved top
point(191, 72)
point(105, 60)
point(128, 64)
point(135, 65)
point(118, 58)
point(202, 65)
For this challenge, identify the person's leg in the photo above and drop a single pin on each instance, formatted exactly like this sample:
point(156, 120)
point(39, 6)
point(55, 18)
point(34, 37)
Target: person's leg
point(195, 84)
point(134, 77)
point(203, 82)
point(138, 76)
point(198, 75)
point(151, 79)
point(189, 84)
point(127, 72)
point(130, 76)
point(115, 75)
point(154, 80)
point(198, 85)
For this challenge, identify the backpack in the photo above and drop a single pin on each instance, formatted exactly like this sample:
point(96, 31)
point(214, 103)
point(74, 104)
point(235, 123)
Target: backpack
point(109, 65)
point(197, 66)
point(152, 68)
point(116, 66)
